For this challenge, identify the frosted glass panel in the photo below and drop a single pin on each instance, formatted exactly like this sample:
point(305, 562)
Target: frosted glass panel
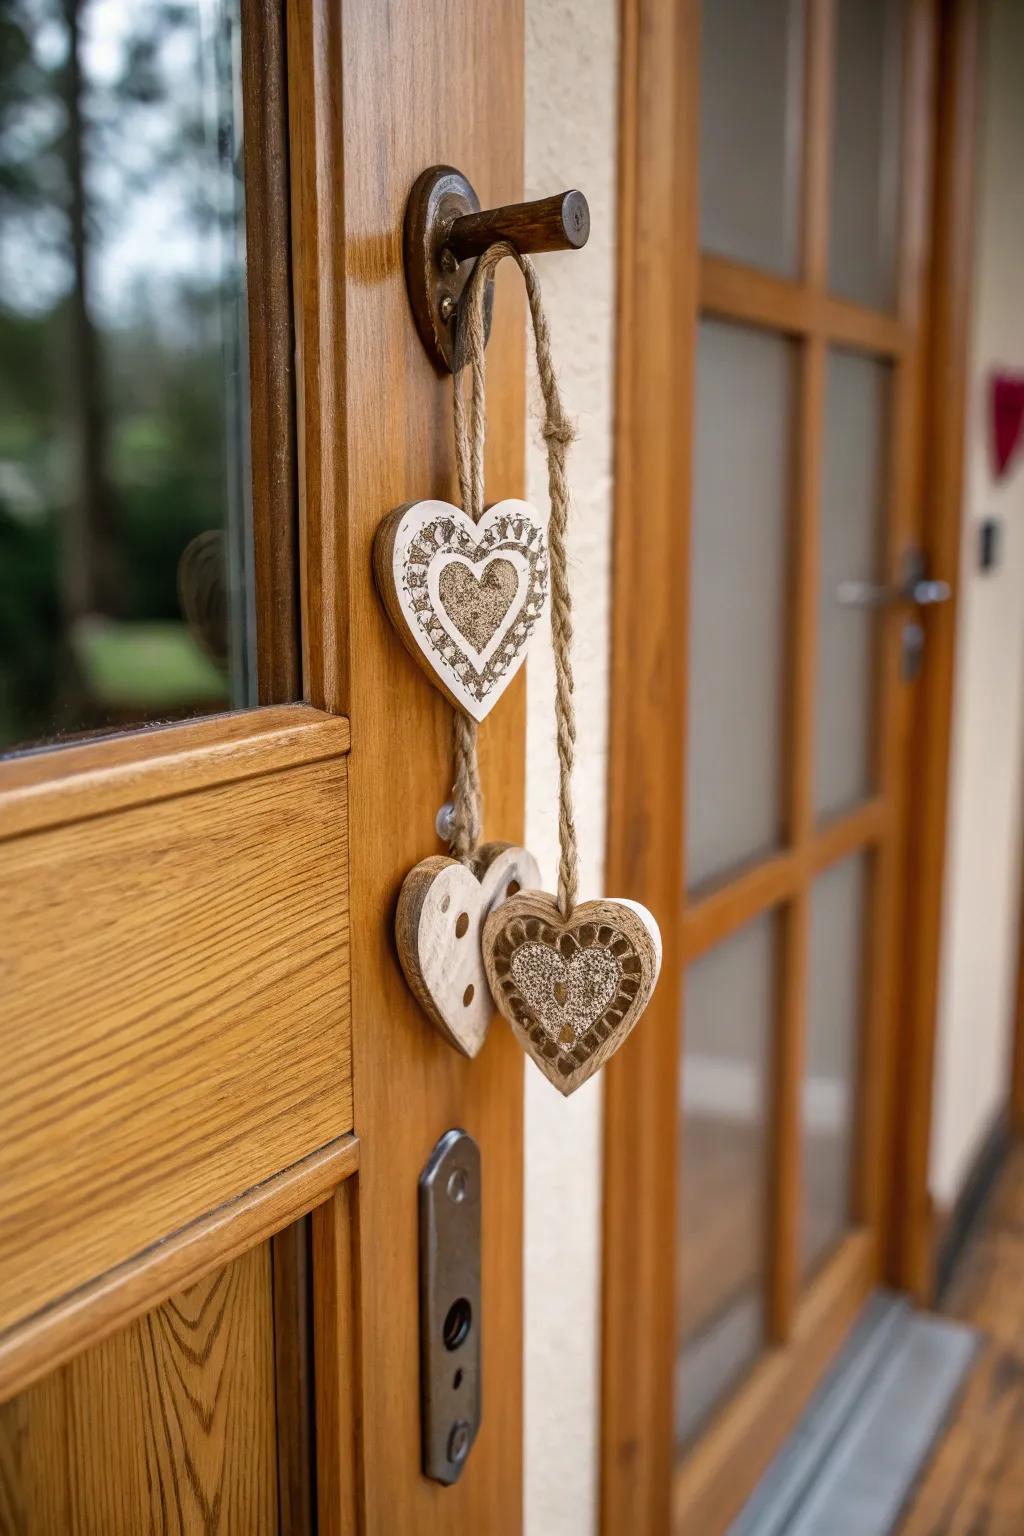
point(737, 596)
point(834, 1000)
point(866, 151)
point(853, 488)
point(751, 95)
point(728, 1026)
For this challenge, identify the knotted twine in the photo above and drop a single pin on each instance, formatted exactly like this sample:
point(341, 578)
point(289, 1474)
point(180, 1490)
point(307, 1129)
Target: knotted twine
point(470, 427)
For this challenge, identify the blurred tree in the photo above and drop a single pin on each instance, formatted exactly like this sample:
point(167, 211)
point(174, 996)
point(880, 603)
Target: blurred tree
point(112, 410)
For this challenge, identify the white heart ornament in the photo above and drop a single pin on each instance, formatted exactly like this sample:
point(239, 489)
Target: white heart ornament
point(571, 988)
point(442, 908)
point(465, 597)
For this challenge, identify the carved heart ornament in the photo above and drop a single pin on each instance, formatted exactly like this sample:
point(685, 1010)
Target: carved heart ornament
point(571, 988)
point(439, 924)
point(465, 597)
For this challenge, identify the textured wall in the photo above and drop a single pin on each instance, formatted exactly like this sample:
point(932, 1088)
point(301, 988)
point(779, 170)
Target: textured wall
point(571, 134)
point(984, 854)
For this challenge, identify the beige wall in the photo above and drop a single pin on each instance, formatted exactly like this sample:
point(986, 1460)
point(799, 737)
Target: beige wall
point(987, 785)
point(571, 128)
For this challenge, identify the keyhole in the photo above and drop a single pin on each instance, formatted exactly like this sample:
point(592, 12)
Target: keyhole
point(561, 991)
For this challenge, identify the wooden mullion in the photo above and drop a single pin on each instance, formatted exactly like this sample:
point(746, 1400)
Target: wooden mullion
point(844, 835)
point(733, 291)
point(790, 1047)
point(785, 1201)
point(712, 918)
point(820, 30)
point(860, 329)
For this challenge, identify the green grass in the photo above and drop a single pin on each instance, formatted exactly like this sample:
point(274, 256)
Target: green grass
point(151, 666)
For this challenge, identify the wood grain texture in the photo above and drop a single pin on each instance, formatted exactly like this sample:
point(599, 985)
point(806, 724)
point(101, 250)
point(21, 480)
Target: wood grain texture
point(272, 435)
point(345, 1505)
point(655, 329)
point(50, 1337)
point(439, 923)
point(291, 1270)
point(49, 789)
point(910, 1221)
point(368, 114)
point(176, 1020)
point(973, 1482)
point(572, 988)
point(167, 1426)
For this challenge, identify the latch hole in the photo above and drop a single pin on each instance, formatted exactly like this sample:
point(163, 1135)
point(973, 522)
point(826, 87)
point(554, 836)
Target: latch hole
point(457, 1379)
point(457, 1323)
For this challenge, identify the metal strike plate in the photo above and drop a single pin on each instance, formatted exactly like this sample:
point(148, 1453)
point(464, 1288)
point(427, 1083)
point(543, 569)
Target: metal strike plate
point(450, 1314)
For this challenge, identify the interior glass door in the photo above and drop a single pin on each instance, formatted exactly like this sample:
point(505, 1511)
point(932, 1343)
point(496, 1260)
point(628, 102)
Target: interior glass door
point(804, 378)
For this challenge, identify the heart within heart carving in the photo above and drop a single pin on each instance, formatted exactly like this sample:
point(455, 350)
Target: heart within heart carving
point(465, 597)
point(439, 923)
point(571, 988)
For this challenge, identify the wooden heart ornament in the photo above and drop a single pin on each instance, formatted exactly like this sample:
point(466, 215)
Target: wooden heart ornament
point(571, 988)
point(439, 923)
point(465, 597)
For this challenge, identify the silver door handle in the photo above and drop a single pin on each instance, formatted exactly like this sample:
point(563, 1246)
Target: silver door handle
point(867, 594)
point(916, 587)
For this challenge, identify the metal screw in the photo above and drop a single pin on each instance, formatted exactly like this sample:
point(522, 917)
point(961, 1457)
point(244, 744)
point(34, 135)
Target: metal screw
point(444, 822)
point(457, 1185)
point(458, 1442)
point(447, 307)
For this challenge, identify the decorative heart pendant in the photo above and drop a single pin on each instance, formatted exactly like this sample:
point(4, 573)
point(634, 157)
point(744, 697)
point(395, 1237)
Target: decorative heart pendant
point(571, 988)
point(465, 597)
point(439, 923)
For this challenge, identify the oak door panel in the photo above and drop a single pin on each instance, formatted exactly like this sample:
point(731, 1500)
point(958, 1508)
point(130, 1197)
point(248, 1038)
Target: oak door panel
point(166, 1426)
point(175, 1023)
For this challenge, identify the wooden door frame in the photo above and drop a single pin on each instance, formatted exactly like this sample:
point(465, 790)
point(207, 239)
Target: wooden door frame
point(377, 93)
point(911, 1227)
point(661, 282)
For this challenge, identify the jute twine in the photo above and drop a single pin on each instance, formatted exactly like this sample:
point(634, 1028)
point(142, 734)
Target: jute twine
point(467, 796)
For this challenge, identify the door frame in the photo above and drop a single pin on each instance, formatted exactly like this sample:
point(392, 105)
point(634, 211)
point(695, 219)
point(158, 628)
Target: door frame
point(662, 283)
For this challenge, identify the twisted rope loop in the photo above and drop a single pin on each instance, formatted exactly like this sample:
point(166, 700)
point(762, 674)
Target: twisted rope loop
point(469, 453)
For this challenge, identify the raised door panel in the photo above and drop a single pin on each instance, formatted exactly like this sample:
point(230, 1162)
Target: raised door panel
point(175, 972)
point(168, 1426)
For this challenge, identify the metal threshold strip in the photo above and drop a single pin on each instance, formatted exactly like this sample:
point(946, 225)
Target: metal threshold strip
point(855, 1456)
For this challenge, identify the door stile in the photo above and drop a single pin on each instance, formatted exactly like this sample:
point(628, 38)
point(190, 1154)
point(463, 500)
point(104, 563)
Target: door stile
point(657, 279)
point(948, 300)
point(378, 94)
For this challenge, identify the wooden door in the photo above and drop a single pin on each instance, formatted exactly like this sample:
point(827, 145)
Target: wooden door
point(769, 689)
point(217, 1093)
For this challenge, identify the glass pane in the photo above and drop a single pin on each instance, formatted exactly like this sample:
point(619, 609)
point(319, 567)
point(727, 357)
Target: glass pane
point(123, 403)
point(728, 1026)
point(737, 595)
point(751, 100)
point(834, 998)
point(852, 502)
point(865, 184)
